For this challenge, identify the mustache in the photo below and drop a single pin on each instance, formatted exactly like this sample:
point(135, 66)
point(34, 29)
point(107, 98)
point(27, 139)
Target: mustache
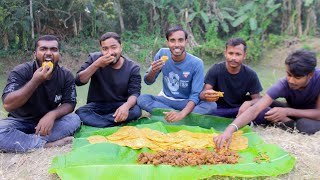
point(232, 60)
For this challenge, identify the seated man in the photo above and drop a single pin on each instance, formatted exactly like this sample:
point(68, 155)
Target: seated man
point(39, 96)
point(301, 89)
point(234, 79)
point(182, 79)
point(114, 87)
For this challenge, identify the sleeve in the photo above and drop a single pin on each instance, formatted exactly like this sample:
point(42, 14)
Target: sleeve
point(69, 94)
point(255, 86)
point(134, 87)
point(156, 57)
point(84, 66)
point(211, 76)
point(15, 81)
point(277, 90)
point(197, 83)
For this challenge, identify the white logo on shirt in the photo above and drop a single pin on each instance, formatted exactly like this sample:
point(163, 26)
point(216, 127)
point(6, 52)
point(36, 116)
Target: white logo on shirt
point(57, 99)
point(186, 74)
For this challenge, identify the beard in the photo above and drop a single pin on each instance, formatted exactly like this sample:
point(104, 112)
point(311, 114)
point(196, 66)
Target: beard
point(116, 60)
point(39, 64)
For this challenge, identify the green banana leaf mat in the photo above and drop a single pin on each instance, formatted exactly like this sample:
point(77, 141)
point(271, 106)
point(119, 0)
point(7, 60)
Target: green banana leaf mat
point(111, 161)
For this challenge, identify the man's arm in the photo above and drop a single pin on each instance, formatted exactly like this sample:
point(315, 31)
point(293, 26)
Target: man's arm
point(45, 124)
point(17, 98)
point(283, 114)
point(245, 118)
point(245, 105)
point(306, 113)
point(122, 112)
point(208, 94)
point(154, 69)
point(85, 75)
point(173, 116)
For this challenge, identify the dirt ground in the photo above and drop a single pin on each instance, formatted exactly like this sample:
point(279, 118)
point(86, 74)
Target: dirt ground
point(305, 148)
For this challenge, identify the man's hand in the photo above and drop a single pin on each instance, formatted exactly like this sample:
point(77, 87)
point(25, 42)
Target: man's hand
point(173, 116)
point(223, 140)
point(211, 95)
point(121, 113)
point(156, 66)
point(244, 107)
point(45, 124)
point(105, 60)
point(276, 114)
point(42, 74)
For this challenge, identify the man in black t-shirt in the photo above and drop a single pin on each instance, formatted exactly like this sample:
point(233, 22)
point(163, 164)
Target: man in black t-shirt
point(239, 83)
point(39, 96)
point(114, 87)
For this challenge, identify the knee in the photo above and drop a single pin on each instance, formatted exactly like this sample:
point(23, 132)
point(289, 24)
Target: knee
point(82, 112)
point(136, 111)
point(205, 107)
point(260, 118)
point(73, 121)
point(144, 99)
point(308, 126)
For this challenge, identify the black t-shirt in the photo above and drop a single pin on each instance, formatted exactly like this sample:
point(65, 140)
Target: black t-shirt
point(112, 85)
point(234, 86)
point(49, 95)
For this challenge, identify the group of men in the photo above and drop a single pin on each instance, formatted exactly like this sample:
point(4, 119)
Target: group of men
point(41, 98)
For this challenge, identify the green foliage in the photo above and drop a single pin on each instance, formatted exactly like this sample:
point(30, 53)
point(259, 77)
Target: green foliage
point(274, 40)
point(211, 50)
point(77, 46)
point(145, 21)
point(254, 50)
point(307, 47)
point(140, 47)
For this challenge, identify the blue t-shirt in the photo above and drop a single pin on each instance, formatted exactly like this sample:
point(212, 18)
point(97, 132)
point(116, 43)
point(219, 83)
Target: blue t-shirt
point(299, 99)
point(181, 80)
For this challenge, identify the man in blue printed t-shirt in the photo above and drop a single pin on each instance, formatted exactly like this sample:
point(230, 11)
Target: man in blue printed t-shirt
point(183, 77)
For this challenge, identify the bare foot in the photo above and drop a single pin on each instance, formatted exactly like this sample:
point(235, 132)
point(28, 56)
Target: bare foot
point(60, 142)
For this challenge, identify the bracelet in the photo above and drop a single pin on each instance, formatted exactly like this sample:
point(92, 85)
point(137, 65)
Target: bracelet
point(234, 125)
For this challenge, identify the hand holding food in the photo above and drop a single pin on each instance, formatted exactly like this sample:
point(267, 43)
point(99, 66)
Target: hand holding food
point(156, 66)
point(47, 63)
point(212, 96)
point(164, 58)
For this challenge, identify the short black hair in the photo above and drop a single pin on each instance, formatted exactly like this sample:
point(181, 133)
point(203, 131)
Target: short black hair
point(301, 62)
point(175, 29)
point(109, 35)
point(47, 38)
point(236, 42)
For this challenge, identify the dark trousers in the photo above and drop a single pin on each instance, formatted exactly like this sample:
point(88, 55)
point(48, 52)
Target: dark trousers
point(101, 114)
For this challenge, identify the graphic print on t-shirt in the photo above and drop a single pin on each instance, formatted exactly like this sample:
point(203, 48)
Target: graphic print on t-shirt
point(173, 82)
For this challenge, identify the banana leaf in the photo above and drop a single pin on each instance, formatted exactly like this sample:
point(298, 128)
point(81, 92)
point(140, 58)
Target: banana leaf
point(111, 161)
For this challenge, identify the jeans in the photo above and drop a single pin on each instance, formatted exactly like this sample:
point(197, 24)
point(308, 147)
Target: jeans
point(149, 102)
point(100, 114)
point(18, 135)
